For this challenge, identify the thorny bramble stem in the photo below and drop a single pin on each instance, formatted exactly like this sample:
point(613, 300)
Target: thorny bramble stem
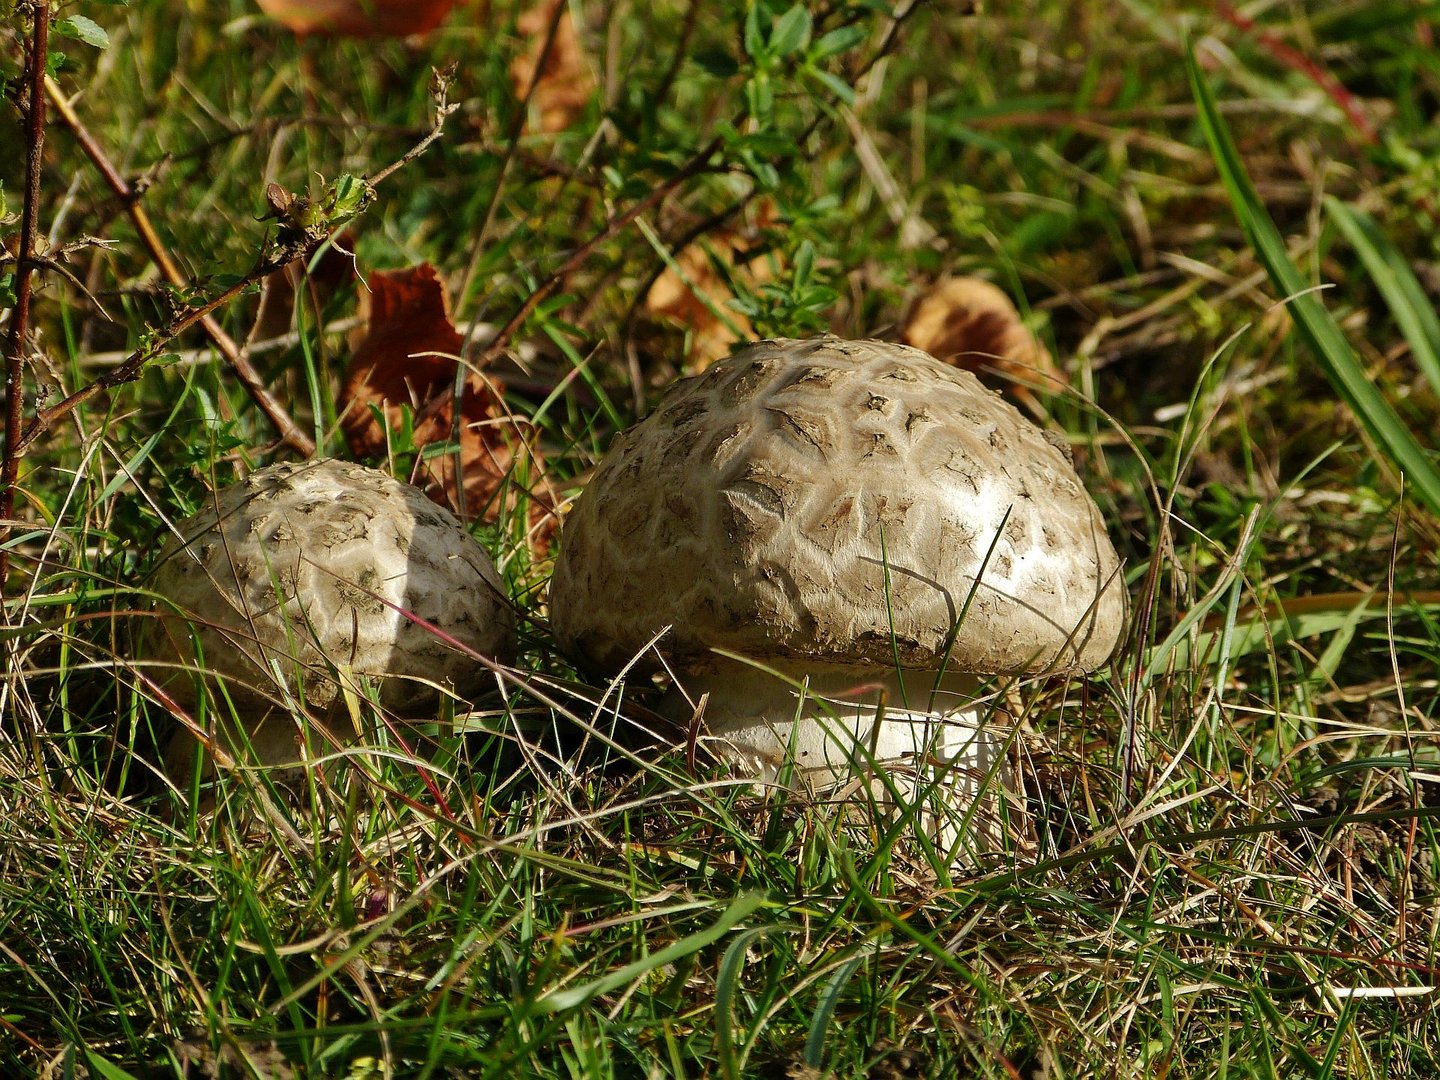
point(289, 432)
point(32, 105)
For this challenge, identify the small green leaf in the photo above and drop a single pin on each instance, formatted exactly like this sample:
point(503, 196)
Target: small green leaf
point(804, 263)
point(839, 40)
point(791, 32)
point(760, 97)
point(82, 29)
point(843, 91)
point(348, 196)
point(754, 40)
point(765, 174)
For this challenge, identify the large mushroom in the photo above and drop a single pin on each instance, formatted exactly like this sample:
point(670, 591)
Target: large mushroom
point(842, 541)
point(303, 577)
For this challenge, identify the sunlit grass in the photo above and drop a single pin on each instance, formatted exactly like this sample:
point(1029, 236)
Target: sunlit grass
point(1234, 861)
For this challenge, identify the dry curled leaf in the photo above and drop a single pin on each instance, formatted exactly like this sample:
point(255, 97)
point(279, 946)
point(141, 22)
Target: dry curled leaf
point(407, 357)
point(696, 290)
point(358, 18)
point(968, 322)
point(564, 84)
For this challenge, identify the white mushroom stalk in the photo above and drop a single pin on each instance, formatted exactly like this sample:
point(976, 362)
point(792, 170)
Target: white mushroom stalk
point(842, 513)
point(825, 726)
point(303, 577)
point(822, 719)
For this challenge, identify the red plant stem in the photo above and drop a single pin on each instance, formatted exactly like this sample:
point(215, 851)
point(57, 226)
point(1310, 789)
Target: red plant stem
point(24, 256)
point(1294, 59)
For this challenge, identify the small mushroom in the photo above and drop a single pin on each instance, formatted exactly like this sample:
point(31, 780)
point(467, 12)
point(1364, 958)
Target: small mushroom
point(299, 578)
point(850, 518)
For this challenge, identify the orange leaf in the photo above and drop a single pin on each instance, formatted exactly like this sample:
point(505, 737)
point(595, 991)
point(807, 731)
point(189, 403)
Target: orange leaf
point(695, 292)
point(358, 18)
point(968, 322)
point(409, 356)
point(564, 84)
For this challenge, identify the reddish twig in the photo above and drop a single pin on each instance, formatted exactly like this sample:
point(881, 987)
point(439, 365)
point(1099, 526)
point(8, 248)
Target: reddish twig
point(34, 114)
point(280, 254)
point(135, 363)
point(290, 433)
point(1294, 59)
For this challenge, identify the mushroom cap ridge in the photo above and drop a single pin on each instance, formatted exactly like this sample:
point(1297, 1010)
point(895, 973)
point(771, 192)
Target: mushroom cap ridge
point(836, 501)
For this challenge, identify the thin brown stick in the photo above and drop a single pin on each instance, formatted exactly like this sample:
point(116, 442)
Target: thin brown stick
point(134, 364)
point(440, 91)
point(290, 433)
point(34, 111)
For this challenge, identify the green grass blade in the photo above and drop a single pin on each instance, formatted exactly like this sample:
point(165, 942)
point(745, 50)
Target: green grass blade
point(825, 1012)
point(727, 988)
point(107, 1070)
point(1403, 294)
point(1315, 324)
point(576, 996)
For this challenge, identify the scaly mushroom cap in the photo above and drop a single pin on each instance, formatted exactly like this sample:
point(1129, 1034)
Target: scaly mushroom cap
point(844, 502)
point(296, 564)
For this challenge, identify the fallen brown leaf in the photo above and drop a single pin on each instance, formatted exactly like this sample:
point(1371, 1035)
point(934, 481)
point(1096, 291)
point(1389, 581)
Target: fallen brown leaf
point(695, 293)
point(968, 322)
point(358, 18)
point(564, 85)
point(408, 357)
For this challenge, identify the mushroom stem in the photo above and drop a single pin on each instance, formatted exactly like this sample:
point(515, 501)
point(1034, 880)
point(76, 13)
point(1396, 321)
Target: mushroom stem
point(841, 726)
